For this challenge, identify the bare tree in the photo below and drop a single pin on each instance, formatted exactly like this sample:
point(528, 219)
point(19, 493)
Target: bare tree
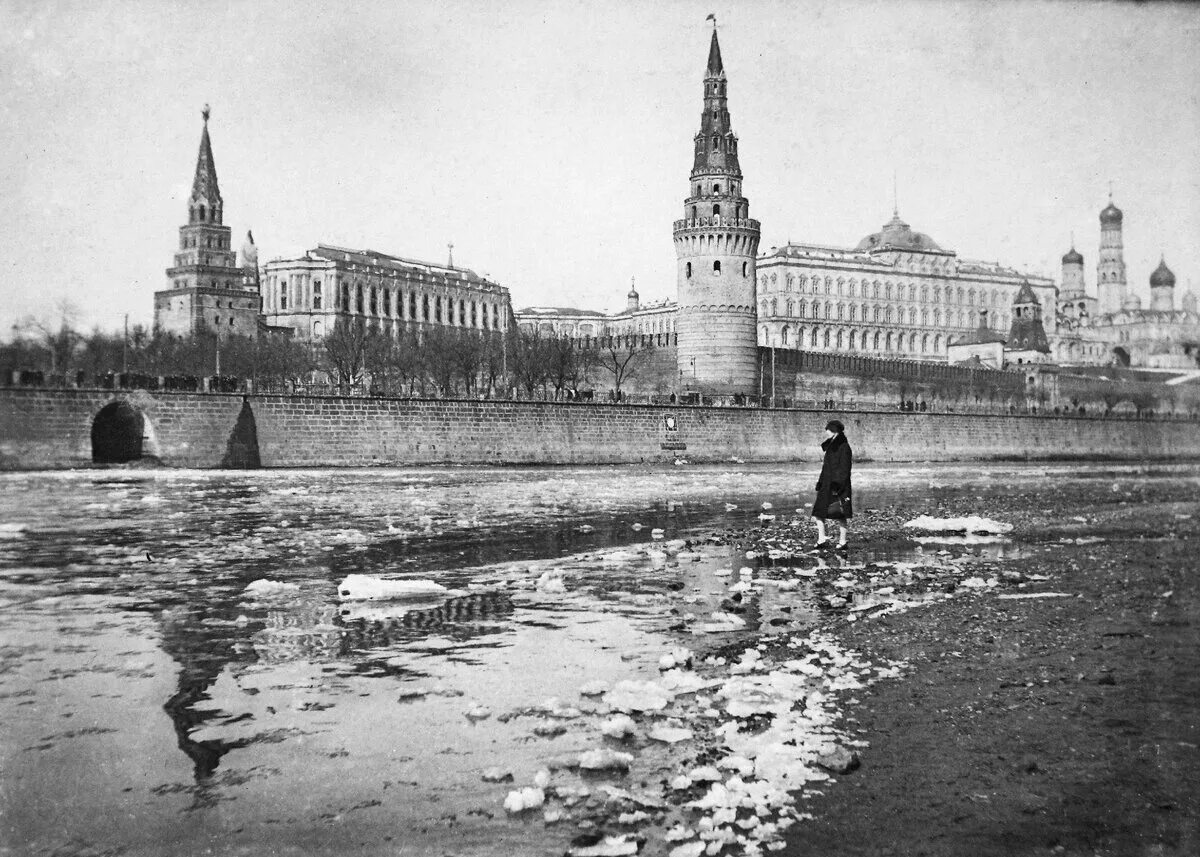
point(527, 359)
point(623, 357)
point(57, 335)
point(346, 349)
point(467, 350)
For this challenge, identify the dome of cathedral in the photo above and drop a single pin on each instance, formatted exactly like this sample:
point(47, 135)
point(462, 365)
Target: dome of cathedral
point(1111, 214)
point(1162, 275)
point(897, 235)
point(1072, 257)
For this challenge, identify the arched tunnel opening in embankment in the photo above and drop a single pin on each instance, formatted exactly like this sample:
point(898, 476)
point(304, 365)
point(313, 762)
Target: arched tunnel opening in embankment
point(118, 432)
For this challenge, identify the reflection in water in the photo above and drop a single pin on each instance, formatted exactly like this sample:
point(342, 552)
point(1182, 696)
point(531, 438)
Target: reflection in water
point(202, 650)
point(144, 576)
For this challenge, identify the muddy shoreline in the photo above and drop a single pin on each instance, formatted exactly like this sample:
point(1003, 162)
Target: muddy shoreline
point(1055, 725)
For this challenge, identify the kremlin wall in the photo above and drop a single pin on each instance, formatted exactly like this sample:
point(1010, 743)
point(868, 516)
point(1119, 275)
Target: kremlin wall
point(56, 429)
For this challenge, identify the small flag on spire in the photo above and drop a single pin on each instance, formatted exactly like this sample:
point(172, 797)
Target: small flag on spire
point(712, 17)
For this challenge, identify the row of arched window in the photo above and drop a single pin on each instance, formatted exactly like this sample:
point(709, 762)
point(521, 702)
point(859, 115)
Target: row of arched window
point(382, 302)
point(203, 214)
point(856, 340)
point(885, 290)
point(210, 241)
point(876, 314)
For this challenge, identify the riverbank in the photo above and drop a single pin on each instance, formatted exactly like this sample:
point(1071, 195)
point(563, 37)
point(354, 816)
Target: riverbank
point(1056, 725)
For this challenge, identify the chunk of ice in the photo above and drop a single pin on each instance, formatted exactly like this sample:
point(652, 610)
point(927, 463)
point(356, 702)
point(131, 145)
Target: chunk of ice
point(363, 587)
point(970, 524)
point(523, 799)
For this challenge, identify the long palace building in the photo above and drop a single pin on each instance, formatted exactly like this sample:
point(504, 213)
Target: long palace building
point(310, 292)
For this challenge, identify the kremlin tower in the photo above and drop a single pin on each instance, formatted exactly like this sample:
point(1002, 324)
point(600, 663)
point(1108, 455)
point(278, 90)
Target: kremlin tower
point(207, 290)
point(716, 243)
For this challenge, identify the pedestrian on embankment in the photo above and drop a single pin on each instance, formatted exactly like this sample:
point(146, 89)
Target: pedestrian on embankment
point(833, 501)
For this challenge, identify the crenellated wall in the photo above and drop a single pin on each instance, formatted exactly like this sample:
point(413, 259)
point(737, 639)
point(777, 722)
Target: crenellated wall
point(49, 429)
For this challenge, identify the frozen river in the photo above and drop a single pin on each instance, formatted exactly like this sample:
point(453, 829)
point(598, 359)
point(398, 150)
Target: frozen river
point(180, 675)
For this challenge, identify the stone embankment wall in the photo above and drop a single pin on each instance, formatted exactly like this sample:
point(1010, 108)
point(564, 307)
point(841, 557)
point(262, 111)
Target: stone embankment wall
point(53, 429)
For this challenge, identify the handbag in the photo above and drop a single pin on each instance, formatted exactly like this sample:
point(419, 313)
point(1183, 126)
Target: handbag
point(835, 509)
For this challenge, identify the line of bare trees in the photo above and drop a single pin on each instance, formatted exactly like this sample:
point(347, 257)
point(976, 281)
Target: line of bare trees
point(354, 357)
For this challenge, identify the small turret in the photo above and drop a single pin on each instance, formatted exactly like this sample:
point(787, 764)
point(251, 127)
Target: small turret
point(631, 300)
point(1027, 332)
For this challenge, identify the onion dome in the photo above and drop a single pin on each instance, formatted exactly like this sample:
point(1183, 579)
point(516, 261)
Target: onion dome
point(1162, 275)
point(1111, 215)
point(1072, 257)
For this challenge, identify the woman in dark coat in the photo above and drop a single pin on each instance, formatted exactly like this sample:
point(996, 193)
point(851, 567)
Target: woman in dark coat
point(833, 485)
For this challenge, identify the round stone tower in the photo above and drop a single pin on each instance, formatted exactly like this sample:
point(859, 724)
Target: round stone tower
point(715, 244)
point(1110, 269)
point(1162, 288)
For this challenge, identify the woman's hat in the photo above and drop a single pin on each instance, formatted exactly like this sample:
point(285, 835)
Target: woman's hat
point(835, 426)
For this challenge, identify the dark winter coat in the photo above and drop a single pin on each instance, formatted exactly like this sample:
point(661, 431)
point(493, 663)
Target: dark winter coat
point(834, 481)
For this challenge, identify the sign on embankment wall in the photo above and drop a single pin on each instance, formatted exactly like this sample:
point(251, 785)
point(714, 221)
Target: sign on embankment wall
point(52, 429)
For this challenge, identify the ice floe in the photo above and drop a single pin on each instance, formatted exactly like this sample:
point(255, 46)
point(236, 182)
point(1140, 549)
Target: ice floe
point(969, 524)
point(364, 587)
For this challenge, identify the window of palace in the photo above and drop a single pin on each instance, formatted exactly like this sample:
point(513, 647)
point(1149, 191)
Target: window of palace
point(783, 335)
point(789, 308)
point(717, 266)
point(745, 269)
point(813, 340)
point(716, 188)
point(689, 270)
point(774, 306)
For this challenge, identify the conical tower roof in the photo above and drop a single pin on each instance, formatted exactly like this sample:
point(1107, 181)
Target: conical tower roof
point(204, 185)
point(1025, 295)
point(715, 67)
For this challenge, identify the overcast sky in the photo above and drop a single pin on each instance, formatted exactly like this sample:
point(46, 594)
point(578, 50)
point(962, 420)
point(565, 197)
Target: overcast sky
point(551, 141)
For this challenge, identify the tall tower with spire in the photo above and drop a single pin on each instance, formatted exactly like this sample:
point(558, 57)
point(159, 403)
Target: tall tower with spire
point(1110, 269)
point(716, 243)
point(206, 288)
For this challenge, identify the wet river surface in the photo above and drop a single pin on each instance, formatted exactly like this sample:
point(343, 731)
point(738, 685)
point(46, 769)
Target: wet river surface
point(178, 673)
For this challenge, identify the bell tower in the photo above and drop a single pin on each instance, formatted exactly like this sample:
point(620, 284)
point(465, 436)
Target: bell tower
point(716, 243)
point(1110, 267)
